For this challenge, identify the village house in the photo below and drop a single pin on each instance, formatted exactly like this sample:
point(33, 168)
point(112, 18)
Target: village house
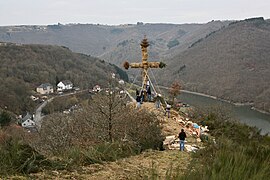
point(27, 121)
point(121, 82)
point(34, 98)
point(96, 88)
point(45, 88)
point(64, 85)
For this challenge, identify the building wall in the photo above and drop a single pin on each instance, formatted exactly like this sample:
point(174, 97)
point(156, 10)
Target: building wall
point(28, 123)
point(46, 91)
point(62, 87)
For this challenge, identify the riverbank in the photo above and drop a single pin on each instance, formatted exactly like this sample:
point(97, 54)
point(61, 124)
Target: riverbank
point(223, 100)
point(261, 111)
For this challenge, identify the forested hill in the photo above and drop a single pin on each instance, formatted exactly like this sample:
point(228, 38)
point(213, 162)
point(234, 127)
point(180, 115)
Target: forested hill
point(232, 63)
point(24, 67)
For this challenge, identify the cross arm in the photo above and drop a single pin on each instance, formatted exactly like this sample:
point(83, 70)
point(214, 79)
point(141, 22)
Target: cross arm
point(132, 65)
point(153, 64)
point(142, 65)
point(136, 65)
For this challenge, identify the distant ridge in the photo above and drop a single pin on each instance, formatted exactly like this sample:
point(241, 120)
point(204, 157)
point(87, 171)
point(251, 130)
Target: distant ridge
point(114, 44)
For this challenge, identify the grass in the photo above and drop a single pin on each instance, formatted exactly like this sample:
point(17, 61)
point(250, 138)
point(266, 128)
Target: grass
point(230, 161)
point(239, 152)
point(17, 157)
point(108, 152)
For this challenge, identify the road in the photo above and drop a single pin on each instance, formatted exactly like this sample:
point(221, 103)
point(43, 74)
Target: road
point(38, 117)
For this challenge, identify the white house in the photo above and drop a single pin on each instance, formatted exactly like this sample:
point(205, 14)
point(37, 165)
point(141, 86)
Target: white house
point(27, 121)
point(96, 88)
point(34, 98)
point(64, 85)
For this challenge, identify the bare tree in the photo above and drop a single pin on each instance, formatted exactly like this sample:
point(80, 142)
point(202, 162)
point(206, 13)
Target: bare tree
point(174, 90)
point(108, 107)
point(55, 136)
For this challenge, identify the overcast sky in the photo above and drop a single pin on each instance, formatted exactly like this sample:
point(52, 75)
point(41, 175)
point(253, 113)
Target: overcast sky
point(113, 12)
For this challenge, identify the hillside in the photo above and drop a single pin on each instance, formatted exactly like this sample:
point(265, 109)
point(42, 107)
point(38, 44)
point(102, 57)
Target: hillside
point(114, 44)
point(24, 67)
point(232, 63)
point(228, 151)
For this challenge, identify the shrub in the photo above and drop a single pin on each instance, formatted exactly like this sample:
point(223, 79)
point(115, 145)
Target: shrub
point(172, 43)
point(18, 157)
point(107, 119)
point(4, 119)
point(55, 135)
point(144, 129)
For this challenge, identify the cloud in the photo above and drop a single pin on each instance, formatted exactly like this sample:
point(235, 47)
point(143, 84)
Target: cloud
point(127, 11)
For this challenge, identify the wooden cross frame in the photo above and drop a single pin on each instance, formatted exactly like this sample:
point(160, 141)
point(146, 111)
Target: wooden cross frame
point(144, 64)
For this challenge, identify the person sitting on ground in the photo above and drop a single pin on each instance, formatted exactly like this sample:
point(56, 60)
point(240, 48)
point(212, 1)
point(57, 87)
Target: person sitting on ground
point(182, 136)
point(197, 129)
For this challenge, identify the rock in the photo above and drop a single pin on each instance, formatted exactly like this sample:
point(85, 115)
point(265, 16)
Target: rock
point(174, 146)
point(169, 140)
point(190, 148)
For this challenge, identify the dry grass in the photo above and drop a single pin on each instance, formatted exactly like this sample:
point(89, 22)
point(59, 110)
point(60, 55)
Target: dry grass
point(135, 167)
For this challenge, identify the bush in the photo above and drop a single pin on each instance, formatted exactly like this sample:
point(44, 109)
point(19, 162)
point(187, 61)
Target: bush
point(4, 119)
point(18, 157)
point(144, 129)
point(86, 128)
point(172, 43)
point(55, 135)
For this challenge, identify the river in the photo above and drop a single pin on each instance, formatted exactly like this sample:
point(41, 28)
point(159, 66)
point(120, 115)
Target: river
point(243, 113)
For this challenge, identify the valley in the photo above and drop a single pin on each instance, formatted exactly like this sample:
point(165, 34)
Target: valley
point(226, 59)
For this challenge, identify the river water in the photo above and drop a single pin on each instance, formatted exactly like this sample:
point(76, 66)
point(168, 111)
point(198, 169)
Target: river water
point(243, 113)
